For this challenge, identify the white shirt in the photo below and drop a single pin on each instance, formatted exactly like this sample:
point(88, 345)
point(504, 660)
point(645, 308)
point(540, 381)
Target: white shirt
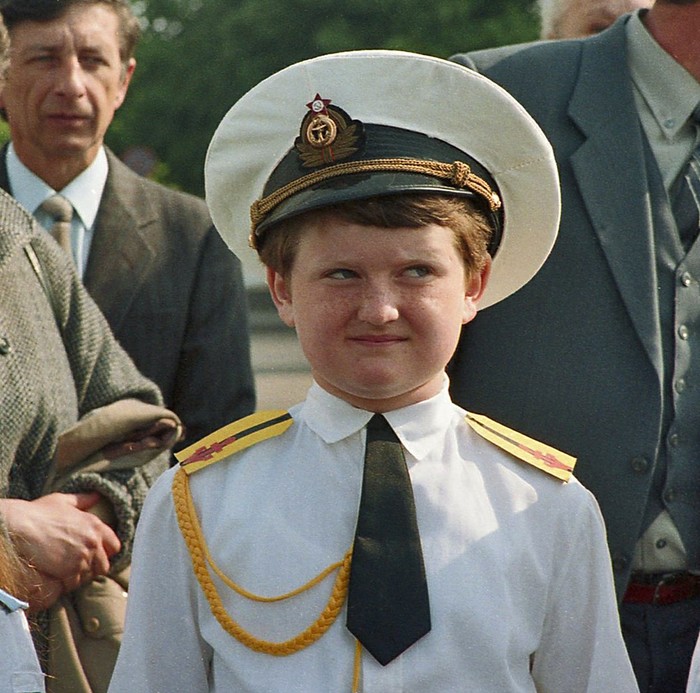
point(19, 665)
point(518, 571)
point(84, 192)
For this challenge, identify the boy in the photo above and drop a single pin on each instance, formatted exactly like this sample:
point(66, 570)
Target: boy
point(413, 192)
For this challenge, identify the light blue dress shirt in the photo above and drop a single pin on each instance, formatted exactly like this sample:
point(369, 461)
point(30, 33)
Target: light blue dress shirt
point(84, 192)
point(19, 671)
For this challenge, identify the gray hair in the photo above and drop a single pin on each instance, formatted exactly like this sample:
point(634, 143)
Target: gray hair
point(551, 12)
point(4, 50)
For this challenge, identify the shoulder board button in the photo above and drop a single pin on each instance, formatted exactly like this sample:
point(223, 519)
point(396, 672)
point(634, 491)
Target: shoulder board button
point(544, 457)
point(232, 438)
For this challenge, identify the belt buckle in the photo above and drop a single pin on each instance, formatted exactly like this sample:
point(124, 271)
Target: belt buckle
point(665, 580)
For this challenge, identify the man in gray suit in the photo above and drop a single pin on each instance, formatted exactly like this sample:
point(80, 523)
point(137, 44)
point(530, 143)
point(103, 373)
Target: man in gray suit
point(600, 354)
point(169, 288)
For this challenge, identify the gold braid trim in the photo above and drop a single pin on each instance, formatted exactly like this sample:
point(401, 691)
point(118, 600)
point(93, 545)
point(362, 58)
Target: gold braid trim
point(458, 173)
point(199, 553)
point(357, 667)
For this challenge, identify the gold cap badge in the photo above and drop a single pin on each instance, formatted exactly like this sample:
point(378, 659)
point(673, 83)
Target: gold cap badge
point(327, 134)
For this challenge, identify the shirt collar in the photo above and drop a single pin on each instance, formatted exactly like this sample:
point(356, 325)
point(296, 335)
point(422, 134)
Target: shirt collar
point(11, 603)
point(418, 426)
point(669, 90)
point(84, 192)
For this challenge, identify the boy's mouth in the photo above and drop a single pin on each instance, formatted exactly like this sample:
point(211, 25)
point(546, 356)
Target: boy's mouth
point(378, 339)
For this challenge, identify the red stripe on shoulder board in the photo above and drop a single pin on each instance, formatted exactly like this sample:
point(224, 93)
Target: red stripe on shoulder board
point(204, 454)
point(546, 458)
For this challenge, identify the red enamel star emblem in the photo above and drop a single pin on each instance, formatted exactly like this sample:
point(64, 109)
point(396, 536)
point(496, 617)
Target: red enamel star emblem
point(319, 105)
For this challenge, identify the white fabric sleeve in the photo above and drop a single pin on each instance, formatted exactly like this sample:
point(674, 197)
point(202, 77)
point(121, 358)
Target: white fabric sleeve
point(582, 649)
point(162, 649)
point(694, 678)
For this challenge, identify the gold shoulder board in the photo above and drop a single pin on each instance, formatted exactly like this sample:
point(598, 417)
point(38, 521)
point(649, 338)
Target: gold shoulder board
point(539, 455)
point(233, 437)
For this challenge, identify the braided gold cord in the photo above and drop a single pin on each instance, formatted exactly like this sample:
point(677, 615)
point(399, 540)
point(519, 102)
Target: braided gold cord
point(458, 173)
point(199, 553)
point(266, 600)
point(357, 667)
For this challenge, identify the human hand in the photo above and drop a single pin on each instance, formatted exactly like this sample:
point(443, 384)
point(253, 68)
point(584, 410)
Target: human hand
point(41, 590)
point(60, 539)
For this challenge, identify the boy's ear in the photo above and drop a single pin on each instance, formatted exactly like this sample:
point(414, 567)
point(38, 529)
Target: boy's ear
point(474, 290)
point(281, 296)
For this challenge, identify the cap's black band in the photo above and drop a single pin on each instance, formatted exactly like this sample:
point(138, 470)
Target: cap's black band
point(458, 174)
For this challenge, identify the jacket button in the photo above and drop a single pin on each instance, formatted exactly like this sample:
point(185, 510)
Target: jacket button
point(92, 625)
point(620, 562)
point(4, 346)
point(640, 464)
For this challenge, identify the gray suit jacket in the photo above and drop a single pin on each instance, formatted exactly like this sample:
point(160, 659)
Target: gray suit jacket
point(574, 358)
point(173, 295)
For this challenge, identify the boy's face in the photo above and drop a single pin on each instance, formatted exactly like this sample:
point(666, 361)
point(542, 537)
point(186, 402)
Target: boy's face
point(378, 311)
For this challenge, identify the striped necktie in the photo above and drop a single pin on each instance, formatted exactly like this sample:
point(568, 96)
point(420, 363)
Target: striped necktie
point(61, 211)
point(685, 194)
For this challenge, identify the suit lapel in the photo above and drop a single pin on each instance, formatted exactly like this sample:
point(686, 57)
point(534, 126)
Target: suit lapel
point(121, 254)
point(618, 203)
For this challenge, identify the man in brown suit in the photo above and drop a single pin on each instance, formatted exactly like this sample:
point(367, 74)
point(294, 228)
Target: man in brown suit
point(171, 291)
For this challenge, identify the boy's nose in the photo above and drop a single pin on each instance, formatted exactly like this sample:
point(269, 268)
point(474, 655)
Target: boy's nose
point(378, 306)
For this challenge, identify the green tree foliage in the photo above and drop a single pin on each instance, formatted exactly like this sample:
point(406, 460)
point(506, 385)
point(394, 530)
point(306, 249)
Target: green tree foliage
point(198, 56)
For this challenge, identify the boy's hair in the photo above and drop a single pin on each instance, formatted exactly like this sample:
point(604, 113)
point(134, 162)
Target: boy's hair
point(15, 12)
point(471, 228)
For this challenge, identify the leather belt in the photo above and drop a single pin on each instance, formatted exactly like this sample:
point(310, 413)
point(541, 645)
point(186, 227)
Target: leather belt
point(662, 589)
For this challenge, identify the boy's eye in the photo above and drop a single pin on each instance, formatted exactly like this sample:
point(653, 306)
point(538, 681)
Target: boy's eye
point(341, 273)
point(418, 271)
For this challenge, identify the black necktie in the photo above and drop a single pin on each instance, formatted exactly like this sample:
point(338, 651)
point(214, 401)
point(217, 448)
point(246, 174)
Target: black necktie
point(388, 607)
point(685, 195)
point(61, 212)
